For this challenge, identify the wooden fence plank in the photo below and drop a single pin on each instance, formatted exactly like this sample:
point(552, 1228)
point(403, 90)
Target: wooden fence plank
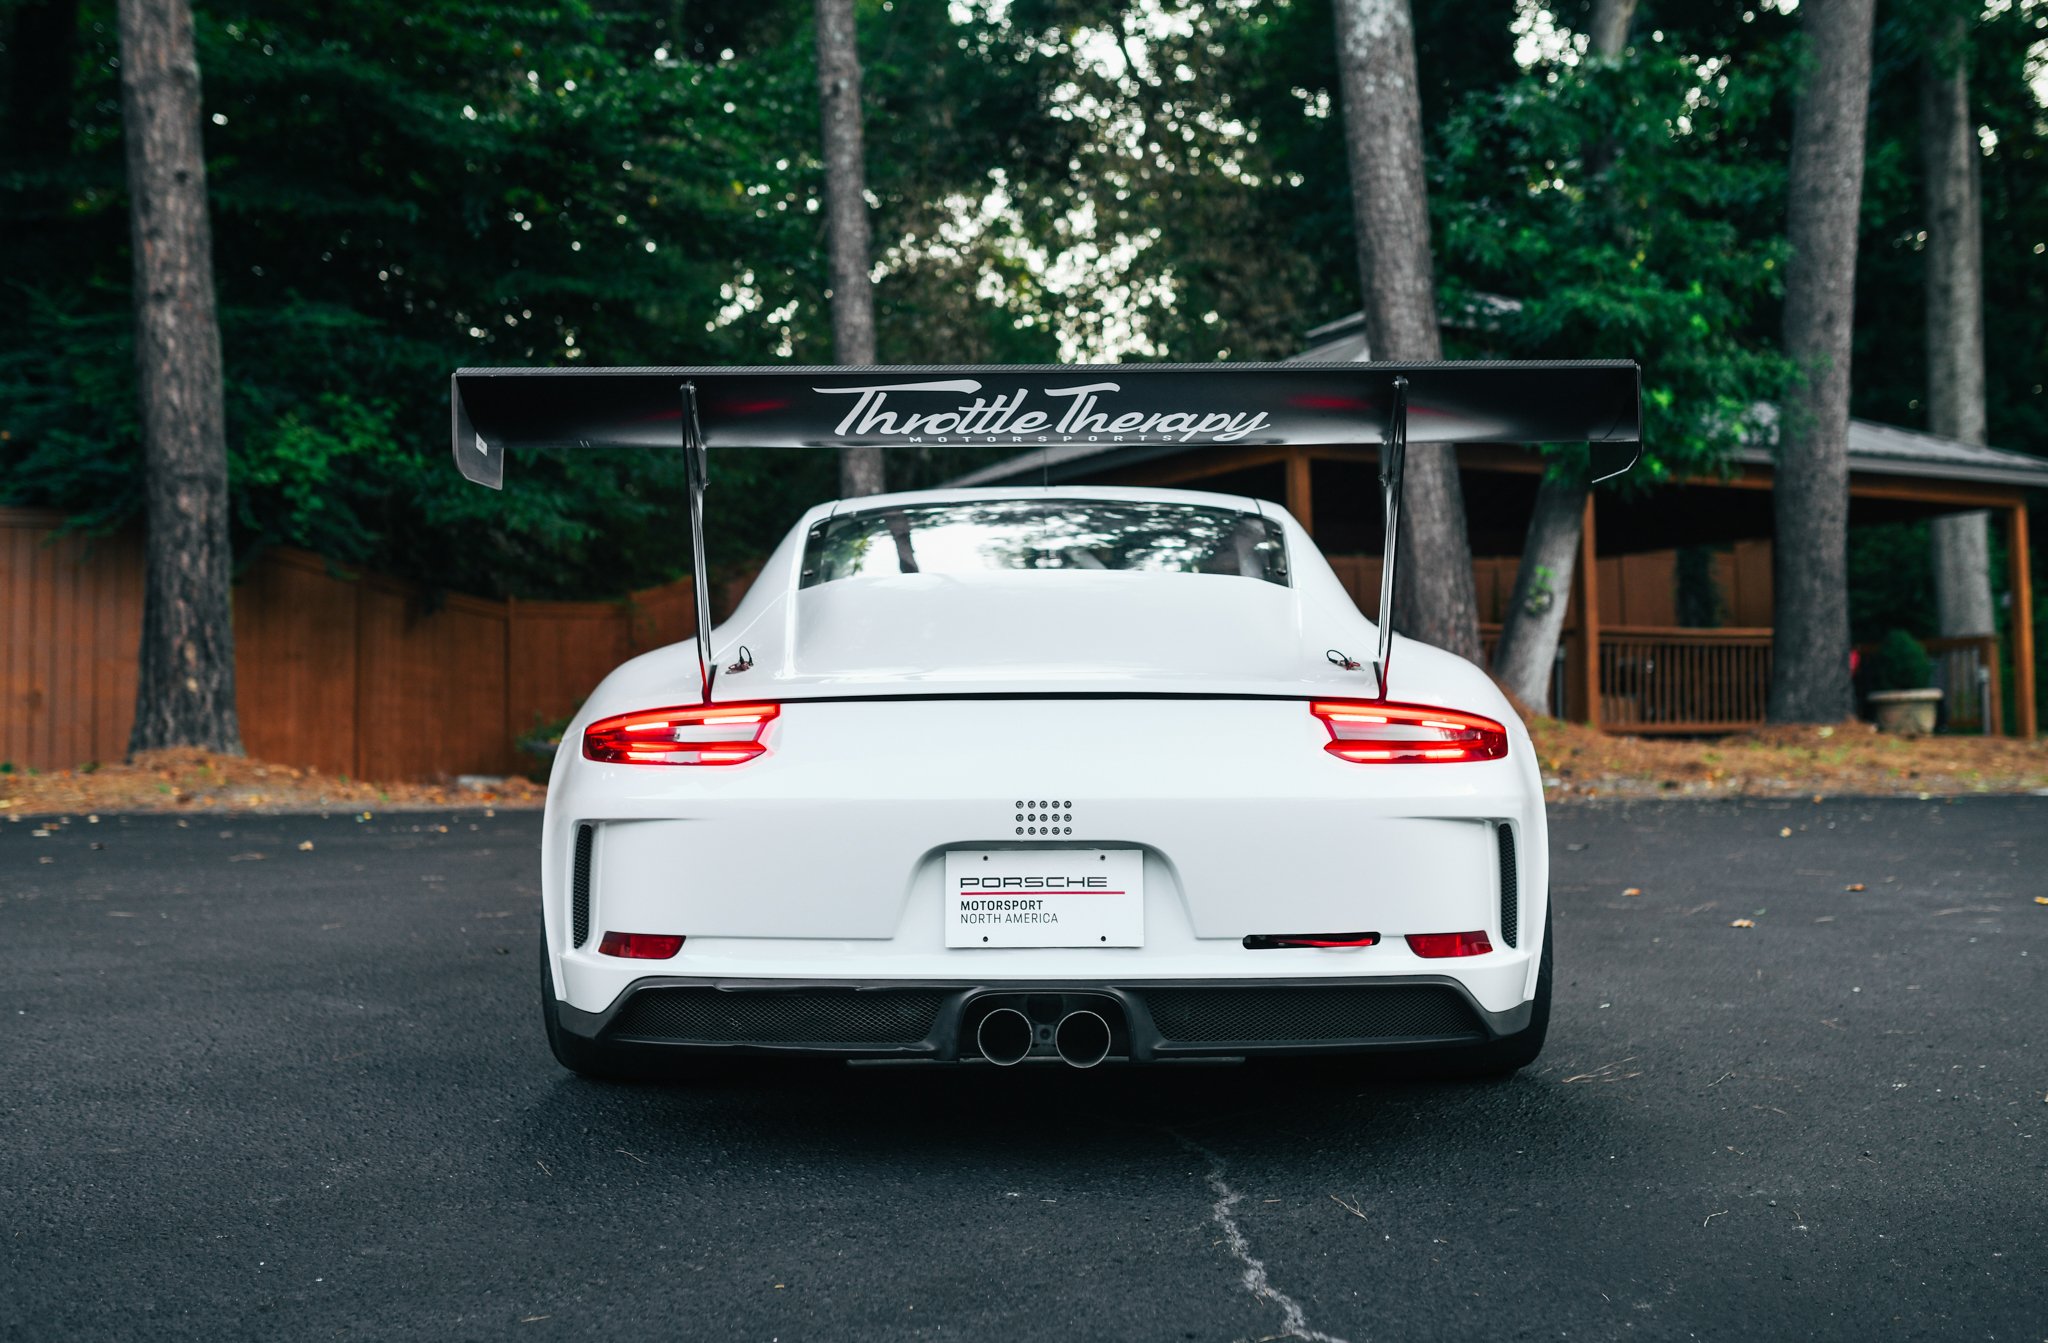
point(295, 663)
point(360, 676)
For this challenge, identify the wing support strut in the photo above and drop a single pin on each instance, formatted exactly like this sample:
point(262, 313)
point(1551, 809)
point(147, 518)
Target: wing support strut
point(1393, 457)
point(696, 466)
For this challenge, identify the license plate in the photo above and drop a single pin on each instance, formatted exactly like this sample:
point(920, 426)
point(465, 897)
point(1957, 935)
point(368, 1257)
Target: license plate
point(1045, 898)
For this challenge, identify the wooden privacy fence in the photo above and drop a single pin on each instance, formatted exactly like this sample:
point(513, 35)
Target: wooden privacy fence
point(374, 678)
point(364, 676)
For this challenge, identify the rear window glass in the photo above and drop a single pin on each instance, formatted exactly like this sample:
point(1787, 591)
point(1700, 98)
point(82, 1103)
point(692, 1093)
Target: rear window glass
point(1002, 534)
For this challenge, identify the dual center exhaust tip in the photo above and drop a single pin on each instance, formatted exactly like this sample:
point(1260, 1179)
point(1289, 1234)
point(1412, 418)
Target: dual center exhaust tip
point(1005, 1037)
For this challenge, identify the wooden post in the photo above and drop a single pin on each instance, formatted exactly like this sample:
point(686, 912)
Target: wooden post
point(1586, 578)
point(2020, 560)
point(1300, 500)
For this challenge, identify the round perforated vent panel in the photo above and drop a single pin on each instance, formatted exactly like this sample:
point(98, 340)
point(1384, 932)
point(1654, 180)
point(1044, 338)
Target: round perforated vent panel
point(1044, 816)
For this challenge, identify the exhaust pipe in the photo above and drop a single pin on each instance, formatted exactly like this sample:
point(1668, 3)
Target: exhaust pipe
point(1082, 1039)
point(1004, 1036)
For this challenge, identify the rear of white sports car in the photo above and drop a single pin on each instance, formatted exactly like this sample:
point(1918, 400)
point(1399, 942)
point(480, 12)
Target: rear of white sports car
point(1072, 774)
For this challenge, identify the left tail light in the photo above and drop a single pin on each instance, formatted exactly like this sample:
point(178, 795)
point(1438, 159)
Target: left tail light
point(1370, 733)
point(696, 734)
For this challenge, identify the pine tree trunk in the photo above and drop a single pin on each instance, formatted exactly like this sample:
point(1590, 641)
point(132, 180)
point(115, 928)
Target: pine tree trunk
point(1531, 624)
point(1955, 321)
point(1609, 30)
point(846, 219)
point(1810, 504)
point(185, 689)
point(1543, 584)
point(1435, 600)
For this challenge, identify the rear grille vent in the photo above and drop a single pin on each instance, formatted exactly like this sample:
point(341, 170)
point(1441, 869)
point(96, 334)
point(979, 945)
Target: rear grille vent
point(1510, 889)
point(1309, 1014)
point(579, 888)
point(849, 1017)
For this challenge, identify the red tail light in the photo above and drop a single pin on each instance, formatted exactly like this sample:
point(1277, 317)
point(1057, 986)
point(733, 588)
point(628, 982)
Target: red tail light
point(1438, 945)
point(696, 734)
point(1370, 733)
point(641, 946)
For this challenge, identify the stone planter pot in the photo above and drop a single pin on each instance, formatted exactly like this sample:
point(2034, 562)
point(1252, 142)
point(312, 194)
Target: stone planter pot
point(1905, 713)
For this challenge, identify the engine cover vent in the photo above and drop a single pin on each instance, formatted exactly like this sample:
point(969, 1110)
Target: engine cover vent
point(1043, 816)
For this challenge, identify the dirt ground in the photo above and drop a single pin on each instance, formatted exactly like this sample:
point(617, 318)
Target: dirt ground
point(200, 781)
point(1849, 758)
point(1846, 759)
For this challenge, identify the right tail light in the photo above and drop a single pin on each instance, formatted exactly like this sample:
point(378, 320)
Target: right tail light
point(1367, 732)
point(694, 734)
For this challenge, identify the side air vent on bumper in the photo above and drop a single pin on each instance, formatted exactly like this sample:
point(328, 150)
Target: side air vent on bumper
point(848, 1017)
point(579, 888)
point(1510, 888)
point(1312, 1015)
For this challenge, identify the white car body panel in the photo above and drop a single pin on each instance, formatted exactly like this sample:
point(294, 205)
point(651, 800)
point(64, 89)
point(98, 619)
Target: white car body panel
point(1162, 711)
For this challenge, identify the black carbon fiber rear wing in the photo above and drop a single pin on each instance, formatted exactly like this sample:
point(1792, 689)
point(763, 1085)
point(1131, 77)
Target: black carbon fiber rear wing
point(1220, 406)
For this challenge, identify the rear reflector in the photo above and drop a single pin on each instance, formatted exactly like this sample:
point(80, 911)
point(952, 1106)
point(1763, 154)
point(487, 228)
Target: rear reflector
point(641, 946)
point(1366, 732)
point(1273, 941)
point(696, 734)
point(1438, 945)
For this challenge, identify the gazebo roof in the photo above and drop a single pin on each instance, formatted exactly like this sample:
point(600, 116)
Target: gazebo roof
point(1880, 449)
point(1883, 448)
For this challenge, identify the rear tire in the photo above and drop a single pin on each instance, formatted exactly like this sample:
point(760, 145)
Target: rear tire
point(1502, 1057)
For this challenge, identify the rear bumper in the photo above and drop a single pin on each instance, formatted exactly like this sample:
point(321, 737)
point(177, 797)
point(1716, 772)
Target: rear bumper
point(1150, 1020)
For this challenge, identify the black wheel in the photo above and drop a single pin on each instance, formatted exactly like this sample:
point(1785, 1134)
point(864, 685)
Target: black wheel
point(1499, 1058)
point(586, 1058)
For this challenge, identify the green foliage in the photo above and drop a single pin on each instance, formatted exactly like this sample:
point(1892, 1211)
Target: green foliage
point(1901, 664)
point(1701, 603)
point(1891, 581)
point(1614, 205)
point(402, 190)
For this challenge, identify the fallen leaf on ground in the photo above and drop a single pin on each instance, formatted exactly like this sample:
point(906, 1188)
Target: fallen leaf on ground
point(1785, 832)
point(1743, 923)
point(1853, 886)
point(1633, 890)
point(305, 846)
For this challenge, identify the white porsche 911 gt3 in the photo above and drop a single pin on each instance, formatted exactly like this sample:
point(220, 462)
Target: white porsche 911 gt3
point(1063, 773)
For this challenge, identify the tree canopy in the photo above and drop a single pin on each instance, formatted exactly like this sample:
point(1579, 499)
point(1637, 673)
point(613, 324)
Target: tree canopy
point(401, 190)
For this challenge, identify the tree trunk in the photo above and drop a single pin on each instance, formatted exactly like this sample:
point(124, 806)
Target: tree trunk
point(1530, 626)
point(185, 688)
point(846, 219)
point(1434, 596)
point(1810, 504)
point(1609, 30)
point(1543, 584)
point(1955, 320)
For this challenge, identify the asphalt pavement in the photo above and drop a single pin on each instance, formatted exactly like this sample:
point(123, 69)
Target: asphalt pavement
point(255, 1089)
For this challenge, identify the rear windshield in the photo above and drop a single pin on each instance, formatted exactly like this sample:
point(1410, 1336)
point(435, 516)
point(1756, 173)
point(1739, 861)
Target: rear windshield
point(1000, 534)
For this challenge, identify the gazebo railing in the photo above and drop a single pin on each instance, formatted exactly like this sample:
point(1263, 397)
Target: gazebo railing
point(1966, 671)
point(1683, 680)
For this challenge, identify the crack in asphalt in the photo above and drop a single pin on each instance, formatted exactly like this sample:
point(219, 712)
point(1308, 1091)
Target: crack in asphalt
point(1293, 1322)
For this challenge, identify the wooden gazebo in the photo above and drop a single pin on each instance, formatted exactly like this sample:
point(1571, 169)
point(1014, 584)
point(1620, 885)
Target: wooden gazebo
point(1627, 664)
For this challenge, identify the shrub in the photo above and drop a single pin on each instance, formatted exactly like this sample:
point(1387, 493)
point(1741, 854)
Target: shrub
point(1901, 664)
